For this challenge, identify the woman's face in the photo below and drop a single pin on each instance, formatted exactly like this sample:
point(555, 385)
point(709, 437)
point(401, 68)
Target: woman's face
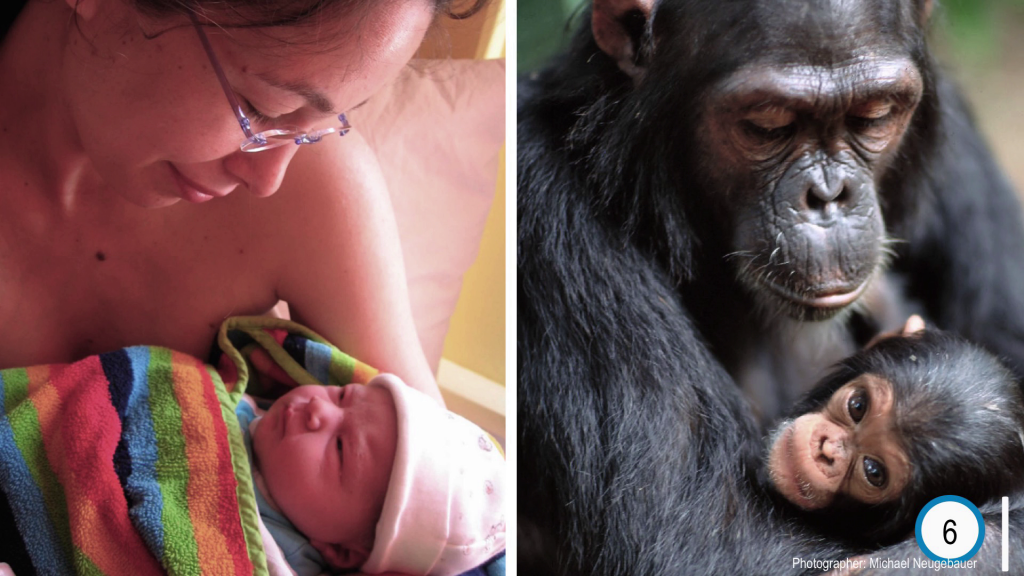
point(150, 113)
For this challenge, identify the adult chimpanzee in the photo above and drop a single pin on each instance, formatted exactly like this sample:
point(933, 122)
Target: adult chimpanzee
point(705, 191)
point(909, 419)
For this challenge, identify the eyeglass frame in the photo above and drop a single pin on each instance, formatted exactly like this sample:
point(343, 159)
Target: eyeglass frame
point(260, 138)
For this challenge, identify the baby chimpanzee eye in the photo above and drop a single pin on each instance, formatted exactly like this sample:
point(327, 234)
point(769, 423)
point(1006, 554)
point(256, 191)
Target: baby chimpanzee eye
point(857, 405)
point(874, 471)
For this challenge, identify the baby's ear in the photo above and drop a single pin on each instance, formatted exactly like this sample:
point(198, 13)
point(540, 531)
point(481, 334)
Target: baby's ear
point(340, 556)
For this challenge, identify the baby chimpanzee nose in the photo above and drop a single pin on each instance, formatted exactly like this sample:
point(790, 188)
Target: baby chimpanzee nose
point(829, 451)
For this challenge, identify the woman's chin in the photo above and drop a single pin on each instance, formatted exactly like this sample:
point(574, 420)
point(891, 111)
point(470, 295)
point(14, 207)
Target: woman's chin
point(148, 199)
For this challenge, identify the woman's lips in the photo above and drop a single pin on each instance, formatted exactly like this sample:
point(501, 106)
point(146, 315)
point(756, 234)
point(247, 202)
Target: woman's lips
point(192, 192)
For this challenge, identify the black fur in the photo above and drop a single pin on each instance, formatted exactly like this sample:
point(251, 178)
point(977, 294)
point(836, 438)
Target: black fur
point(959, 416)
point(637, 453)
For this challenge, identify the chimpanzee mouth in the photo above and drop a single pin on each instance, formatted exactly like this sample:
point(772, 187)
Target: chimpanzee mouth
point(829, 299)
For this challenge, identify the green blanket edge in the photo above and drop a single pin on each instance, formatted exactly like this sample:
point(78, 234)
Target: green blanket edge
point(254, 326)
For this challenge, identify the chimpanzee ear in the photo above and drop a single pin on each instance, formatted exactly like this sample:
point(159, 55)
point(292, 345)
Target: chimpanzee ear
point(924, 11)
point(618, 26)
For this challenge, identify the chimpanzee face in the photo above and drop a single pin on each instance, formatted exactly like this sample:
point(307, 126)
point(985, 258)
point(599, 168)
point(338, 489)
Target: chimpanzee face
point(799, 152)
point(847, 448)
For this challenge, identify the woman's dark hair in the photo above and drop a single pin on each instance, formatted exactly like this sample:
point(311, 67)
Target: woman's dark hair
point(270, 13)
point(8, 13)
point(258, 13)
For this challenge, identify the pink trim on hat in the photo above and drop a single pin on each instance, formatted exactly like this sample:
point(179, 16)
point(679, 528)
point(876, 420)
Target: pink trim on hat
point(444, 510)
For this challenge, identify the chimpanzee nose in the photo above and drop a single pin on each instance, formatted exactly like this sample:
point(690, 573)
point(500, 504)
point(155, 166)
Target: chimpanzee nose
point(828, 190)
point(825, 194)
point(830, 453)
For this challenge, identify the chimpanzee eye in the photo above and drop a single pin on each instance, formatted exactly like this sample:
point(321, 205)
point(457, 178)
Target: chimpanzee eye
point(857, 405)
point(874, 471)
point(768, 133)
point(862, 124)
point(871, 116)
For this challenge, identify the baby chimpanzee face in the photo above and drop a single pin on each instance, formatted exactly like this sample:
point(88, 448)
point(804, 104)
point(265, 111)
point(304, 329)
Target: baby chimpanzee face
point(325, 454)
point(906, 420)
point(847, 448)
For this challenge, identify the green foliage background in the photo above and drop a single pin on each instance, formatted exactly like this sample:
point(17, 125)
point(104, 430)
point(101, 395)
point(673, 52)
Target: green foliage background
point(969, 29)
point(543, 29)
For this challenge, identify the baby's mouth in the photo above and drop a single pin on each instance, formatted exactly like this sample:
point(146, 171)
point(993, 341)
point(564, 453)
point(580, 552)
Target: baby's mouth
point(286, 416)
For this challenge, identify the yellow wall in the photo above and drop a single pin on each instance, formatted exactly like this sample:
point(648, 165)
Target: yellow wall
point(481, 36)
point(476, 337)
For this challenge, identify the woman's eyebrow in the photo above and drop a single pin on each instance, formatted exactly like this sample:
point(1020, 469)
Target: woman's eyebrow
point(313, 97)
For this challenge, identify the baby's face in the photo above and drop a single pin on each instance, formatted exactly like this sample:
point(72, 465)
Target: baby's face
point(325, 453)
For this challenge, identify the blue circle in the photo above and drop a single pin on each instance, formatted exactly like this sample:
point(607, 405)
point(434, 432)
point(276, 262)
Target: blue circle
point(958, 500)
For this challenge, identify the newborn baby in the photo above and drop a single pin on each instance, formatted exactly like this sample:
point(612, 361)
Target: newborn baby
point(377, 477)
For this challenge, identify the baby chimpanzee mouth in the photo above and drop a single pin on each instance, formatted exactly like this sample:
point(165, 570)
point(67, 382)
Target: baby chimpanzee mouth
point(791, 482)
point(803, 488)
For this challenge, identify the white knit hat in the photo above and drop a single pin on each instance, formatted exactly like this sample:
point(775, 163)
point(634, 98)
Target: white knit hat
point(444, 512)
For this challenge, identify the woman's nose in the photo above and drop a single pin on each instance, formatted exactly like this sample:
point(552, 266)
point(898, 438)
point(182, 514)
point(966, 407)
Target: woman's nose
point(261, 172)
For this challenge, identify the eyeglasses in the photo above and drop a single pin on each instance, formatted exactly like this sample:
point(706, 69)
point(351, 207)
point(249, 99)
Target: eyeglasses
point(268, 138)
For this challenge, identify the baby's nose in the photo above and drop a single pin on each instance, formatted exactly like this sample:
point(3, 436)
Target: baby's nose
point(318, 412)
point(313, 420)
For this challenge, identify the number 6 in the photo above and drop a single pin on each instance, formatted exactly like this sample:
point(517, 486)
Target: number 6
point(947, 530)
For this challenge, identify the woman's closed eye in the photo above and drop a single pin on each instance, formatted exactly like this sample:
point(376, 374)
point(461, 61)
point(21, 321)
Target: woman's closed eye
point(255, 114)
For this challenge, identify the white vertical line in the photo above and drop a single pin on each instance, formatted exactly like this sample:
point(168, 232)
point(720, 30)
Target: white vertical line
point(511, 382)
point(1006, 534)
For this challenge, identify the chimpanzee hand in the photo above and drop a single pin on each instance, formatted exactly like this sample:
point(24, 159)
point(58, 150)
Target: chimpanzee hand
point(914, 324)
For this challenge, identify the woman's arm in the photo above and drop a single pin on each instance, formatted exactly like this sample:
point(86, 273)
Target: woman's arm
point(341, 271)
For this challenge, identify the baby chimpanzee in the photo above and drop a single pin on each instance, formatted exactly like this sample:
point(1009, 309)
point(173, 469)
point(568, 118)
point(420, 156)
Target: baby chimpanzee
point(906, 420)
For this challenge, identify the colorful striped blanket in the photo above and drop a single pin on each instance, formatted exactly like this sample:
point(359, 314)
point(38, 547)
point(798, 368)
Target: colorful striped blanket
point(132, 462)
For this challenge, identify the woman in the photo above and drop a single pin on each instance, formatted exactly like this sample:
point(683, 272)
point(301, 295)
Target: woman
point(131, 213)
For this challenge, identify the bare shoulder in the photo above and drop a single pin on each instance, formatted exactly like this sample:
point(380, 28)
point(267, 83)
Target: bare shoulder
point(341, 266)
point(328, 176)
point(329, 190)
